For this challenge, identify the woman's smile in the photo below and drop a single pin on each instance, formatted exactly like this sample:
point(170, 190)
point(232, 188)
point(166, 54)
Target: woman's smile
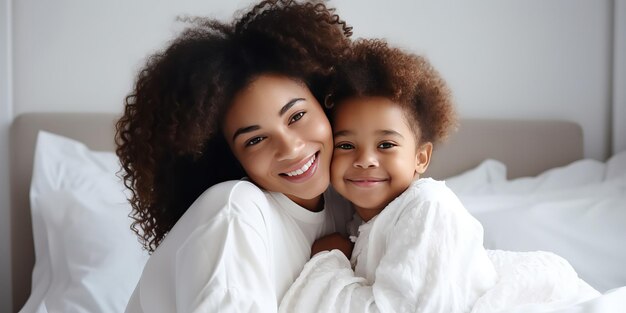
point(302, 171)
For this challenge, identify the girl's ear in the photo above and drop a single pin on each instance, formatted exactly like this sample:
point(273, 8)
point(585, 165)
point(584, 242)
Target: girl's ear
point(422, 157)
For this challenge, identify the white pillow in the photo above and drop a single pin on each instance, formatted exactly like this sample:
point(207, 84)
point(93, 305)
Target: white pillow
point(87, 258)
point(487, 172)
point(616, 166)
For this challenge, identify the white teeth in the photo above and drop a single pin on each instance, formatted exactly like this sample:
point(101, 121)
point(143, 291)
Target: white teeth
point(304, 168)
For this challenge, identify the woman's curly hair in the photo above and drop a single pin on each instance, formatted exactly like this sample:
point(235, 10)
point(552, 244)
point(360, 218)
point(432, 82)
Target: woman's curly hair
point(374, 69)
point(169, 138)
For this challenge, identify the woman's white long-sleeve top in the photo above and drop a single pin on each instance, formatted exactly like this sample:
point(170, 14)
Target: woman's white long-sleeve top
point(423, 253)
point(236, 249)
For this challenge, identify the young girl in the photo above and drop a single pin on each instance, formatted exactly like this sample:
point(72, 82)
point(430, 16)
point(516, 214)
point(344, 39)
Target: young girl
point(224, 101)
point(418, 249)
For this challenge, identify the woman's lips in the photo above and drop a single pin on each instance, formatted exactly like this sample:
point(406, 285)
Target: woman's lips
point(303, 168)
point(303, 173)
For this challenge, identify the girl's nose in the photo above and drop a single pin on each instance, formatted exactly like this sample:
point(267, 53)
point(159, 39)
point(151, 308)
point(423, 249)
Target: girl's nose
point(366, 159)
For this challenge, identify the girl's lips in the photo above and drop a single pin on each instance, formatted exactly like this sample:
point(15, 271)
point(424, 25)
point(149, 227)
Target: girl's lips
point(298, 178)
point(366, 182)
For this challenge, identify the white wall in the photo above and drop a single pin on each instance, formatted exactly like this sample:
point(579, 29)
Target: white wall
point(520, 59)
point(6, 116)
point(619, 78)
point(539, 59)
point(83, 55)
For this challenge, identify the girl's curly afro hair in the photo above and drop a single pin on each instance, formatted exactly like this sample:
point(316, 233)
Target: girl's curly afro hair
point(169, 138)
point(374, 69)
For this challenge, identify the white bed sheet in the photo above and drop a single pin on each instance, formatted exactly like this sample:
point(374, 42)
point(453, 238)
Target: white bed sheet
point(612, 301)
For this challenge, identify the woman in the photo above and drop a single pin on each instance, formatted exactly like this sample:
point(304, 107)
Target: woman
point(225, 101)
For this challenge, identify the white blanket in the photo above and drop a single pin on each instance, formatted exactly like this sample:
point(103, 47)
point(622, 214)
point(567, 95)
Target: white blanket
point(532, 280)
point(577, 211)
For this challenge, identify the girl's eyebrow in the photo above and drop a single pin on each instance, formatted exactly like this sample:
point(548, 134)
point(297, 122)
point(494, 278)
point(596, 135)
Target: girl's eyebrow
point(283, 110)
point(390, 132)
point(384, 132)
point(342, 133)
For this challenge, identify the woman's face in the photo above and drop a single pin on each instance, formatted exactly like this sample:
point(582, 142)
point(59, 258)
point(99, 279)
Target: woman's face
point(282, 138)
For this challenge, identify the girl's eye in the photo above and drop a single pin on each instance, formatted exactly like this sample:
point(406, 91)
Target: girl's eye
point(296, 117)
point(254, 141)
point(386, 145)
point(344, 146)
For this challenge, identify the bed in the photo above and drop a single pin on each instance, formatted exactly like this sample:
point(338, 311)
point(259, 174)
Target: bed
point(482, 150)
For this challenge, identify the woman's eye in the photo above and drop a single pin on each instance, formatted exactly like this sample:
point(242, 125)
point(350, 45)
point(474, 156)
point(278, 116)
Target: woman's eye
point(386, 145)
point(296, 117)
point(344, 146)
point(254, 141)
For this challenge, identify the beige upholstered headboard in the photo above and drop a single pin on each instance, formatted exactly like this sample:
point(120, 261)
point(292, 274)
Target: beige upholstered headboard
point(526, 147)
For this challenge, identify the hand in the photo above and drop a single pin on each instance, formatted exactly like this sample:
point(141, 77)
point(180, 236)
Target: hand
point(333, 241)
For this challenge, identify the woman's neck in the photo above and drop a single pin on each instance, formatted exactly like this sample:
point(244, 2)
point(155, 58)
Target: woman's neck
point(314, 205)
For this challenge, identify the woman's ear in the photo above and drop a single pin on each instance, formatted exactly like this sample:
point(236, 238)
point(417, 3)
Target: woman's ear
point(422, 157)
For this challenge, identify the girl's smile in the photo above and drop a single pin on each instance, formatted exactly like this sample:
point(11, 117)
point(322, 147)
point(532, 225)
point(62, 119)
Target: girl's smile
point(367, 182)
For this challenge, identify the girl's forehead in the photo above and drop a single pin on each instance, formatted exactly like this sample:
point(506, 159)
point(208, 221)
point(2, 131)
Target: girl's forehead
point(367, 108)
point(372, 114)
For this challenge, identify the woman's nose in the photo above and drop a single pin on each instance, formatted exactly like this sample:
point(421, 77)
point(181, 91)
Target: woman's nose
point(365, 159)
point(288, 146)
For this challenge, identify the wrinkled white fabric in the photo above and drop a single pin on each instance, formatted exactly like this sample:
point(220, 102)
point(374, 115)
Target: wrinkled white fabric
point(423, 253)
point(236, 249)
point(576, 211)
point(530, 280)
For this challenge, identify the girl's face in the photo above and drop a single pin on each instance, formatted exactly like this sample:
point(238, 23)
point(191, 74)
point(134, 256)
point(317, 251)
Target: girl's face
point(376, 156)
point(282, 138)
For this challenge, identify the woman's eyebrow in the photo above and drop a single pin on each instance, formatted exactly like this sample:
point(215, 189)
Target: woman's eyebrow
point(288, 106)
point(282, 111)
point(244, 130)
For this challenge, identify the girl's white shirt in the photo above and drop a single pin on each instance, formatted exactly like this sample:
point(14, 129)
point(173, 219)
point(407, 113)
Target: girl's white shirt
point(424, 253)
point(237, 248)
